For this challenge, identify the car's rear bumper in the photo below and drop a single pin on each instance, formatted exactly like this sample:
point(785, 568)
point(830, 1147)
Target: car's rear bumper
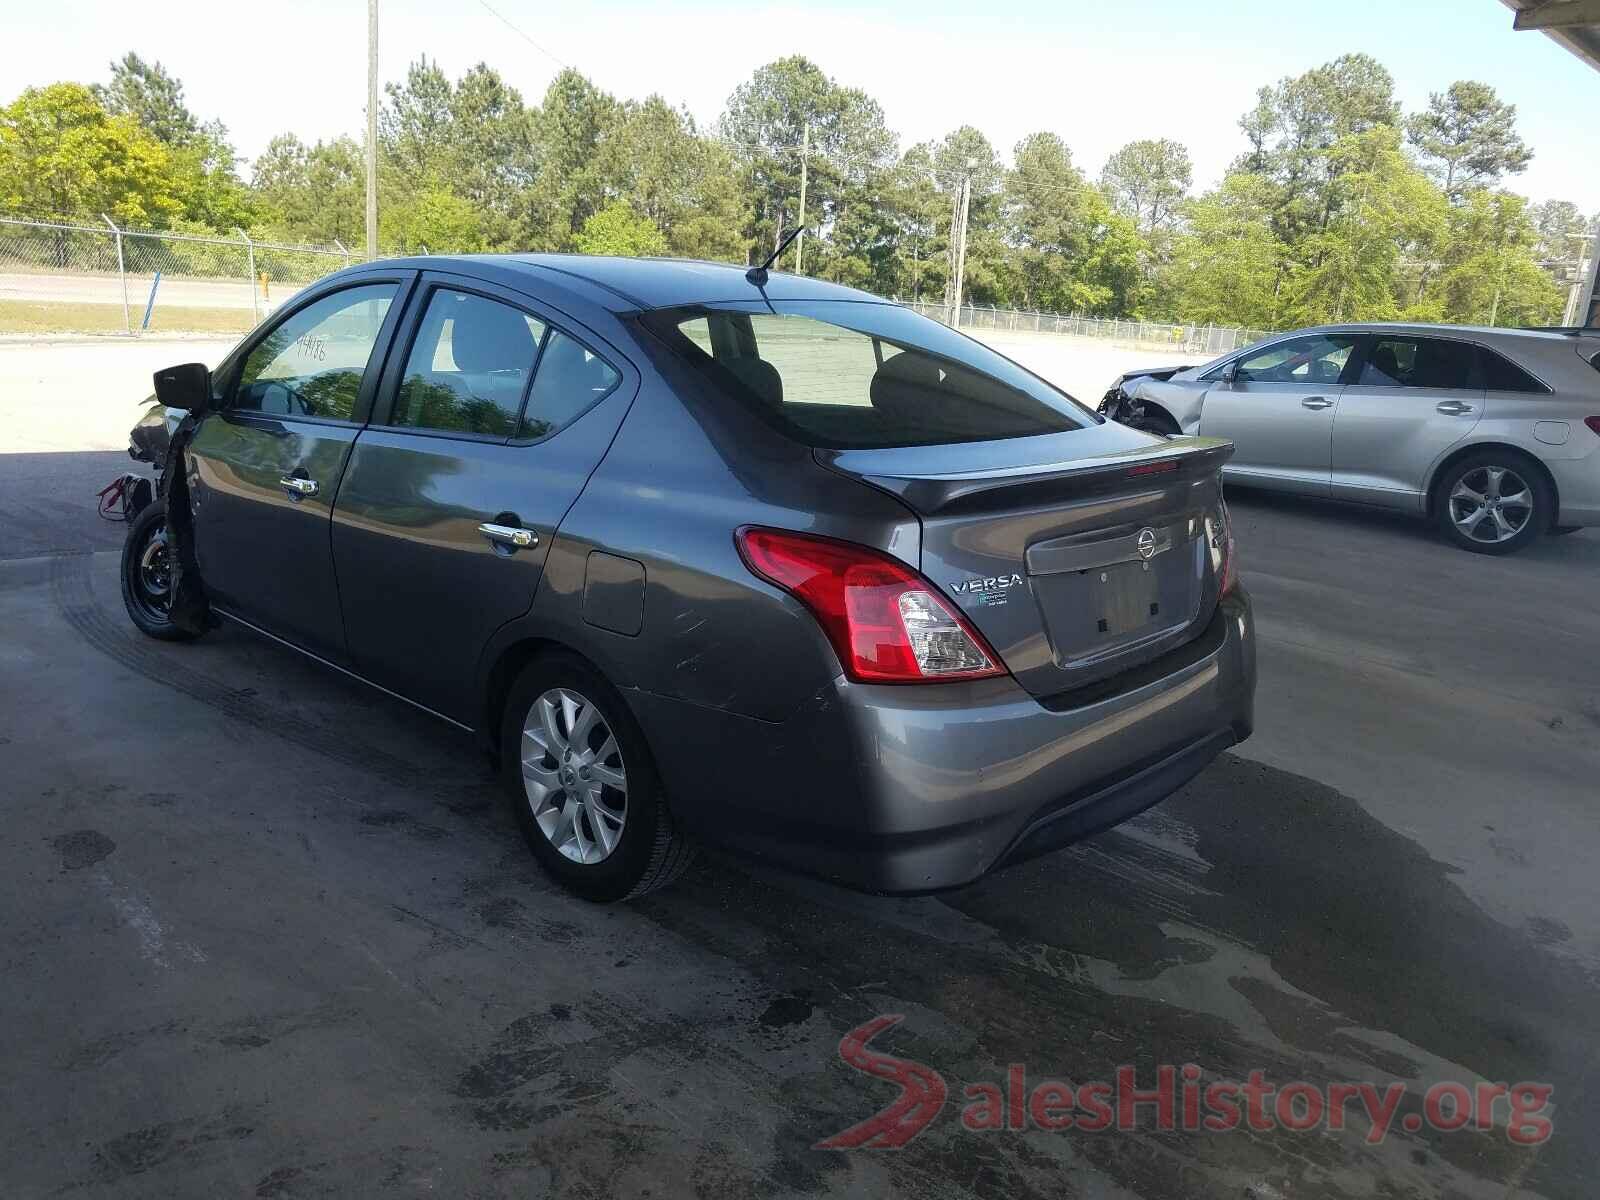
point(915, 789)
point(1577, 485)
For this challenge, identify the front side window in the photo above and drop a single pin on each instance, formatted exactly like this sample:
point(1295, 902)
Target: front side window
point(856, 376)
point(469, 366)
point(1316, 359)
point(1418, 363)
point(311, 364)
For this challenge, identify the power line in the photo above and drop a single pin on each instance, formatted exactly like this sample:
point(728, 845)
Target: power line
point(514, 29)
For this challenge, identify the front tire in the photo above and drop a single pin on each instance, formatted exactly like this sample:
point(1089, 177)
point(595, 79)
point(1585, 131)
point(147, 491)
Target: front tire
point(1493, 502)
point(583, 785)
point(147, 575)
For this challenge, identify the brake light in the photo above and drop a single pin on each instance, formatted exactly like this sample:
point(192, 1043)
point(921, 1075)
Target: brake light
point(1227, 563)
point(886, 622)
point(1593, 422)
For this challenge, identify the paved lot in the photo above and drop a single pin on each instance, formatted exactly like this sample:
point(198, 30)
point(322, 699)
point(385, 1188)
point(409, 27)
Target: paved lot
point(266, 933)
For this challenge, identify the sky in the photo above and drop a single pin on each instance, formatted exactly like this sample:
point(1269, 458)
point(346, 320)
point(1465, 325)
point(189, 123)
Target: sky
point(1098, 75)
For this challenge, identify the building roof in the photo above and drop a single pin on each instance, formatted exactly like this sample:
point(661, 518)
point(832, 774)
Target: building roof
point(1573, 23)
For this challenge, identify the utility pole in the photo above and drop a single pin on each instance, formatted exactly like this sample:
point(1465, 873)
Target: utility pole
point(800, 241)
point(959, 234)
point(372, 129)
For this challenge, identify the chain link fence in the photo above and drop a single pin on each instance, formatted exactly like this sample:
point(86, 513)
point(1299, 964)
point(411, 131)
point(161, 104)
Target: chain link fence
point(73, 276)
point(1209, 340)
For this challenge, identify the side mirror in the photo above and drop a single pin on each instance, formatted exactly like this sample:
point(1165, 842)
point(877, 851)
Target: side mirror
point(187, 386)
point(1230, 373)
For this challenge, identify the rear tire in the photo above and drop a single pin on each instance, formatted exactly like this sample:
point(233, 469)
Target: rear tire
point(147, 575)
point(1493, 501)
point(583, 786)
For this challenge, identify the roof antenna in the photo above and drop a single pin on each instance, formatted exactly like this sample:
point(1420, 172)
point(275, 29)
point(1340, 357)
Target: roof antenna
point(758, 275)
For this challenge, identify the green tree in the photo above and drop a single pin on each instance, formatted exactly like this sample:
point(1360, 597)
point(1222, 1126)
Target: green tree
point(1228, 262)
point(1468, 138)
point(765, 123)
point(312, 194)
point(571, 127)
point(1147, 180)
point(1382, 205)
point(152, 97)
point(617, 229)
point(61, 152)
point(432, 221)
point(1491, 275)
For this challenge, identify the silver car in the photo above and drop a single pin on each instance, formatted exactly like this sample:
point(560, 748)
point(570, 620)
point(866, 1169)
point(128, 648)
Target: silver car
point(1493, 433)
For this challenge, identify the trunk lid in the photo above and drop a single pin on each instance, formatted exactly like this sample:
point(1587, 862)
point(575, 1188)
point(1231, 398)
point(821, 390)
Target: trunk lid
point(1077, 555)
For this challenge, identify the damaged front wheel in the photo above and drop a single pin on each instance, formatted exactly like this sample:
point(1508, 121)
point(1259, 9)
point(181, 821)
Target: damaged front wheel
point(147, 575)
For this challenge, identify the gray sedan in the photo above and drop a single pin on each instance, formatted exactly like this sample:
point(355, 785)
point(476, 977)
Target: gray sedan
point(703, 555)
point(1494, 433)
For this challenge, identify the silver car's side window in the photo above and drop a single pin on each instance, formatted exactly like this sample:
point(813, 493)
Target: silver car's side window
point(1412, 362)
point(1315, 359)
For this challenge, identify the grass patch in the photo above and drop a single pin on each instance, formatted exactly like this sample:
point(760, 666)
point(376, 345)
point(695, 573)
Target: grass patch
point(28, 316)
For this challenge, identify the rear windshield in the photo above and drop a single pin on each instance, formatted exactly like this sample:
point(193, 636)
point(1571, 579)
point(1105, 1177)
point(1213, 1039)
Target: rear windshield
point(858, 375)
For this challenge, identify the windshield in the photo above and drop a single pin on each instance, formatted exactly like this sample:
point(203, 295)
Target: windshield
point(848, 375)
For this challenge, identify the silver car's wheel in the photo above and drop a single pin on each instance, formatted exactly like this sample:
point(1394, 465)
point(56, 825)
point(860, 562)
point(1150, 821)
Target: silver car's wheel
point(574, 776)
point(1491, 504)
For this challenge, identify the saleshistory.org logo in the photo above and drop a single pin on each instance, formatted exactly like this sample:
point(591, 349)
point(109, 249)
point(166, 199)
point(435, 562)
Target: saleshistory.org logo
point(1177, 1099)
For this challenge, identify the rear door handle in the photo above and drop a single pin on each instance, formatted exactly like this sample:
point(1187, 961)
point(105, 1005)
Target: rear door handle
point(509, 536)
point(1452, 408)
point(297, 487)
point(1316, 402)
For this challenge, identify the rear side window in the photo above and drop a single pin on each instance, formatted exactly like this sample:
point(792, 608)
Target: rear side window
point(469, 366)
point(856, 376)
point(571, 378)
point(1500, 374)
point(1418, 363)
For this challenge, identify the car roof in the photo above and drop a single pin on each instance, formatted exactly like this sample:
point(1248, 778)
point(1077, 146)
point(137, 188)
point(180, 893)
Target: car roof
point(1494, 331)
point(631, 284)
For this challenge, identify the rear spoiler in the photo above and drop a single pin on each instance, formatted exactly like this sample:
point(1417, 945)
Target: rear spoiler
point(1176, 460)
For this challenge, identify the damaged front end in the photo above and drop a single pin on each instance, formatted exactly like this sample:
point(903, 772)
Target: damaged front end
point(182, 398)
point(1121, 403)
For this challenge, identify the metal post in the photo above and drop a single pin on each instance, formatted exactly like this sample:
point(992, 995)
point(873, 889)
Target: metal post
point(1588, 313)
point(800, 240)
point(122, 274)
point(250, 254)
point(963, 206)
point(372, 129)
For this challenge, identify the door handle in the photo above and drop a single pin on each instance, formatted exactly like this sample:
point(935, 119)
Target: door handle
point(1452, 408)
point(297, 487)
point(509, 535)
point(1316, 402)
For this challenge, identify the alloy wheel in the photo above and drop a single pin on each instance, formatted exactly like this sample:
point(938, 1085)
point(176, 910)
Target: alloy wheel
point(1491, 504)
point(574, 776)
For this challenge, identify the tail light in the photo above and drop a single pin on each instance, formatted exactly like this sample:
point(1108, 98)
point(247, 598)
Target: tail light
point(1225, 555)
point(1593, 422)
point(886, 622)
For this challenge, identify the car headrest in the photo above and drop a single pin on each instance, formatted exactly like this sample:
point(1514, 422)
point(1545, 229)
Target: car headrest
point(901, 384)
point(490, 337)
point(759, 376)
point(1383, 359)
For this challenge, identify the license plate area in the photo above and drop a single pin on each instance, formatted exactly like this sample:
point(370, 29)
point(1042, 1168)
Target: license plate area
point(1125, 598)
point(1116, 611)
